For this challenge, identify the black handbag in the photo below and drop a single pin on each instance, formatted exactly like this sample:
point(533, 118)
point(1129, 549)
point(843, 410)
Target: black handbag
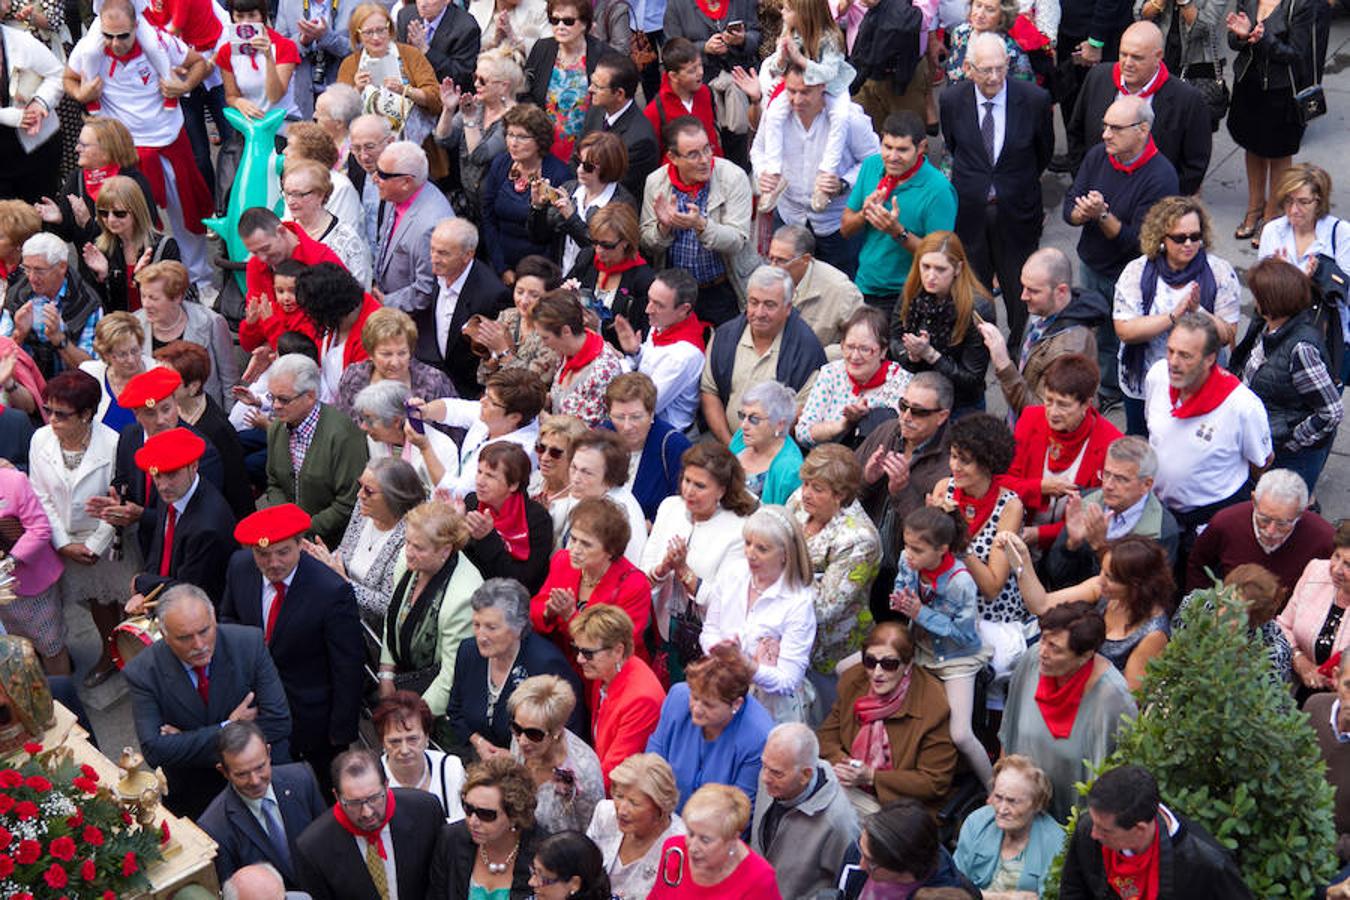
point(1312, 100)
point(1207, 78)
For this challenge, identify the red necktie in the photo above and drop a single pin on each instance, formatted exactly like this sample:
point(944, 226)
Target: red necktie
point(203, 685)
point(280, 598)
point(168, 541)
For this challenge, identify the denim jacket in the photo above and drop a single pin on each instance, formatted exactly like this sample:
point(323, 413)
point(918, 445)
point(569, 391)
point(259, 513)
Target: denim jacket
point(949, 610)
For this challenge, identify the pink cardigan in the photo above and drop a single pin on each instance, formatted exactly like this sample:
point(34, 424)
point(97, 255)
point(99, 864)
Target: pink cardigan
point(1307, 608)
point(38, 565)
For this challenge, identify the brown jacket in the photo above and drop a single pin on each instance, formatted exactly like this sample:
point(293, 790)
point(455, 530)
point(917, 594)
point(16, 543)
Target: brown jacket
point(922, 751)
point(416, 67)
point(1023, 389)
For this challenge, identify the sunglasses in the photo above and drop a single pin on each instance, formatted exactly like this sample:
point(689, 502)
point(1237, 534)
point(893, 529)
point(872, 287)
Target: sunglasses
point(1190, 237)
point(533, 735)
point(567, 21)
point(114, 213)
point(609, 245)
point(587, 653)
point(754, 420)
point(586, 166)
point(917, 412)
point(120, 36)
point(889, 664)
point(485, 816)
point(542, 450)
point(386, 176)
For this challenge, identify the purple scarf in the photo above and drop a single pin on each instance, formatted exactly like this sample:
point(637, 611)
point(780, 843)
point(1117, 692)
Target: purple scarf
point(1198, 271)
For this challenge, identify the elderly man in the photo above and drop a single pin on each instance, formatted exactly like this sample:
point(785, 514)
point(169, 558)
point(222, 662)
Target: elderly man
point(768, 342)
point(1208, 429)
point(824, 296)
point(1274, 529)
point(673, 353)
point(898, 198)
point(270, 242)
point(803, 822)
point(128, 90)
point(376, 840)
point(369, 136)
point(465, 288)
point(186, 686)
point(1000, 136)
point(1124, 504)
point(614, 84)
point(50, 311)
point(315, 454)
point(409, 211)
point(263, 810)
point(446, 34)
point(259, 881)
point(1063, 321)
point(696, 216)
point(307, 613)
point(1181, 120)
point(796, 174)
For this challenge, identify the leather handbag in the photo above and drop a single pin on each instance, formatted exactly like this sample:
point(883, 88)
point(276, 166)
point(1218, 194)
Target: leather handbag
point(1207, 78)
point(1312, 100)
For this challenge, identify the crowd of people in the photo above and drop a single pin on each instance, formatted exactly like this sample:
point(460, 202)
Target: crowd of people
point(587, 481)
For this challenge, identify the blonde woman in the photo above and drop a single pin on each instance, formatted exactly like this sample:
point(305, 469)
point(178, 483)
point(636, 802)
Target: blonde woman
point(563, 767)
point(118, 358)
point(631, 829)
point(713, 860)
point(307, 187)
point(390, 339)
point(471, 126)
point(127, 242)
point(166, 317)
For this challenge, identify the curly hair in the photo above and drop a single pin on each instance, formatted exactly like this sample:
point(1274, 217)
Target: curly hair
point(1162, 217)
point(723, 673)
point(328, 294)
point(986, 441)
point(511, 780)
point(532, 120)
point(1140, 564)
point(1041, 787)
point(837, 468)
point(440, 523)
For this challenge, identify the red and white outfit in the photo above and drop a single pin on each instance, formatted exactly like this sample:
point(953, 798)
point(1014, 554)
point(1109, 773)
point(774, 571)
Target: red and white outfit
point(673, 359)
point(250, 73)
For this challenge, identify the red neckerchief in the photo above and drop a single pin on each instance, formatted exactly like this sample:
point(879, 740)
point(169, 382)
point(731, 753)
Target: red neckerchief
point(511, 525)
point(878, 377)
point(1212, 393)
point(372, 837)
point(715, 16)
point(112, 66)
point(1154, 84)
point(1135, 877)
point(690, 189)
point(944, 565)
point(977, 509)
point(94, 178)
point(1064, 448)
point(687, 329)
point(1059, 699)
point(619, 267)
point(585, 356)
point(1150, 151)
point(889, 183)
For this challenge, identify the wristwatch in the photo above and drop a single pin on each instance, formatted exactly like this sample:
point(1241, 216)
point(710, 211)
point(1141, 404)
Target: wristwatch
point(903, 236)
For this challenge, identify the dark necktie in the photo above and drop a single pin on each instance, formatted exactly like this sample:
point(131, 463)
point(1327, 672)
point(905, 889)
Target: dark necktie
point(203, 685)
point(605, 126)
point(167, 555)
point(987, 129)
point(276, 832)
point(280, 598)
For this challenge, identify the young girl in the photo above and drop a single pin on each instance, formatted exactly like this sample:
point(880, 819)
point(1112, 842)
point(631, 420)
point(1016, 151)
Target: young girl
point(813, 41)
point(939, 596)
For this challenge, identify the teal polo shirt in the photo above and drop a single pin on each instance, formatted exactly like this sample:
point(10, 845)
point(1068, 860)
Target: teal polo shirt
point(927, 204)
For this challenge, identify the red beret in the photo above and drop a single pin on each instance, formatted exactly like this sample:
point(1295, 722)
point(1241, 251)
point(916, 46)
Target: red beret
point(267, 526)
point(149, 387)
point(170, 451)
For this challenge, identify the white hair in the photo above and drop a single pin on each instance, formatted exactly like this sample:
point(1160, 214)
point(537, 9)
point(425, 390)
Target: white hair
point(460, 230)
point(180, 594)
point(303, 370)
point(771, 277)
point(383, 400)
point(986, 40)
point(259, 881)
point(379, 123)
point(778, 401)
point(1284, 486)
point(343, 103)
point(48, 246)
point(1136, 450)
point(410, 158)
point(799, 740)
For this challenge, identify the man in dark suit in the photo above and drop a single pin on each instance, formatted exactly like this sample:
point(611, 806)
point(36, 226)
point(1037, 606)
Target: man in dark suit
point(465, 287)
point(185, 687)
point(328, 863)
point(448, 36)
point(192, 523)
point(307, 613)
point(264, 810)
point(1000, 135)
point(613, 86)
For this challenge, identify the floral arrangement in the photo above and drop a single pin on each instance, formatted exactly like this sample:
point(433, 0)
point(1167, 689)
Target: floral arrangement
point(65, 837)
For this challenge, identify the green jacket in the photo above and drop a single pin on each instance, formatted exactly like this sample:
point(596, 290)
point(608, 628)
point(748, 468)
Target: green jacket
point(327, 482)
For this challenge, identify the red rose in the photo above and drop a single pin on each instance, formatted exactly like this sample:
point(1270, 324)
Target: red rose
point(129, 866)
point(76, 820)
point(63, 848)
point(10, 778)
point(85, 784)
point(126, 818)
point(164, 832)
point(32, 748)
point(23, 896)
point(89, 772)
point(38, 783)
point(5, 838)
point(25, 810)
point(92, 836)
point(6, 866)
point(6, 803)
point(28, 852)
point(88, 871)
point(108, 895)
point(55, 876)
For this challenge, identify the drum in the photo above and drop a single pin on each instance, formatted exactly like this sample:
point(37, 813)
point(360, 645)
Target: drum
point(133, 636)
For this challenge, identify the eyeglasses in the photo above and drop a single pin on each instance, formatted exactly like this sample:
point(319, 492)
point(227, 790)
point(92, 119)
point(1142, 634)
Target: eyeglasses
point(1190, 237)
point(58, 415)
point(366, 490)
point(517, 136)
point(120, 36)
point(1107, 126)
point(279, 400)
point(754, 420)
point(565, 21)
point(587, 653)
point(533, 735)
point(389, 176)
point(39, 271)
point(375, 31)
point(1264, 521)
point(888, 663)
point(782, 262)
point(369, 147)
point(704, 152)
point(297, 195)
point(631, 419)
point(985, 71)
point(542, 880)
point(859, 350)
point(541, 450)
point(586, 165)
point(374, 801)
point(486, 816)
point(917, 412)
point(1305, 202)
point(114, 213)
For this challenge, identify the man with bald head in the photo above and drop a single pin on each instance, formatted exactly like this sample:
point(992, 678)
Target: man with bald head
point(1000, 135)
point(1182, 128)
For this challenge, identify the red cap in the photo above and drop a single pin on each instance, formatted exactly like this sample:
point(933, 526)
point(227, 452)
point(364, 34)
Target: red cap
point(149, 387)
point(170, 451)
point(267, 526)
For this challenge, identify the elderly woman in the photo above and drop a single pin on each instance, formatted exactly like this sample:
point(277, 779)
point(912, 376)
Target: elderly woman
point(395, 79)
point(859, 390)
point(1284, 359)
point(513, 339)
point(552, 480)
point(381, 411)
point(371, 545)
point(338, 306)
point(558, 71)
point(513, 25)
point(563, 767)
point(845, 554)
point(654, 447)
point(711, 729)
point(900, 854)
point(1314, 621)
point(991, 16)
point(502, 654)
point(403, 724)
point(104, 149)
point(126, 242)
point(390, 339)
point(510, 536)
point(307, 187)
point(598, 470)
point(507, 190)
point(614, 272)
point(71, 460)
point(712, 859)
point(165, 317)
point(310, 142)
point(470, 127)
point(623, 693)
point(631, 828)
point(488, 854)
point(589, 363)
point(1175, 275)
point(763, 607)
point(562, 216)
point(35, 611)
point(19, 222)
point(770, 457)
point(429, 613)
point(886, 734)
point(1006, 846)
point(1061, 446)
point(118, 358)
point(335, 110)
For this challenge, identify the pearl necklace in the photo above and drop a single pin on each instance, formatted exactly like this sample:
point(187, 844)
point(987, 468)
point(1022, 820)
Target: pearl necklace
point(501, 867)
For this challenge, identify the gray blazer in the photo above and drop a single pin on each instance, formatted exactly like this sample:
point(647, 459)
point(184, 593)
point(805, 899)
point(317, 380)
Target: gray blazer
point(403, 257)
point(207, 328)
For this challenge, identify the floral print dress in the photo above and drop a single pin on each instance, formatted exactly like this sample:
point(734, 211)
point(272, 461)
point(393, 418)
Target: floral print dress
point(833, 391)
point(566, 104)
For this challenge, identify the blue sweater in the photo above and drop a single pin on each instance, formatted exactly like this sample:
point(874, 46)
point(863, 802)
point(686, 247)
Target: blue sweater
point(1129, 198)
point(733, 758)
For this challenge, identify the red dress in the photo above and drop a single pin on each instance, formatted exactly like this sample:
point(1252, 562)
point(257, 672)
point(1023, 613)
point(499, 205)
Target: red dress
point(753, 879)
point(623, 585)
point(1035, 441)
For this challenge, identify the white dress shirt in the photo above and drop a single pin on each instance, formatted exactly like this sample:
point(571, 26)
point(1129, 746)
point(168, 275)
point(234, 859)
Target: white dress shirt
point(447, 301)
point(675, 369)
point(782, 613)
point(461, 474)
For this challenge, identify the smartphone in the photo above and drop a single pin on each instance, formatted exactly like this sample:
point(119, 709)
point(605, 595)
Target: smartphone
point(243, 33)
point(414, 415)
point(736, 25)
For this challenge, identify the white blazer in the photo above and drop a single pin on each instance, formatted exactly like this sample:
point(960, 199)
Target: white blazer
point(63, 492)
point(34, 73)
